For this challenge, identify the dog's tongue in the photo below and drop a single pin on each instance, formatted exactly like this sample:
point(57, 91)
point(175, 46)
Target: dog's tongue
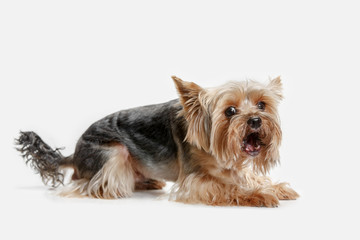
point(252, 144)
point(249, 147)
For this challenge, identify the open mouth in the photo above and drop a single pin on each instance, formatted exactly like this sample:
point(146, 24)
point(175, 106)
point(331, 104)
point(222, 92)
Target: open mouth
point(252, 144)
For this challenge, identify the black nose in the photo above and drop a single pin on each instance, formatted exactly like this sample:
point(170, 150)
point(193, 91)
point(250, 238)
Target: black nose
point(254, 122)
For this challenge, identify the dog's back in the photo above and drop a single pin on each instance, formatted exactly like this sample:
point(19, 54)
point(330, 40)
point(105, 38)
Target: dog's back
point(146, 132)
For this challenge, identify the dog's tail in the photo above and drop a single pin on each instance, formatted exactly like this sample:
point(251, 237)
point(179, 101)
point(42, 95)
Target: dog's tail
point(42, 158)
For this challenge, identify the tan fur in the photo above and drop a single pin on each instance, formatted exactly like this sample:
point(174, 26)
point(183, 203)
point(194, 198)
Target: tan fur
point(195, 112)
point(225, 174)
point(226, 135)
point(203, 188)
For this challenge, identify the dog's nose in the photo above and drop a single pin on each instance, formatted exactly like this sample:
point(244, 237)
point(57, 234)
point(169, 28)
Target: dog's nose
point(254, 122)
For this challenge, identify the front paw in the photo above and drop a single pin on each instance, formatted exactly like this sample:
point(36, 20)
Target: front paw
point(260, 199)
point(284, 192)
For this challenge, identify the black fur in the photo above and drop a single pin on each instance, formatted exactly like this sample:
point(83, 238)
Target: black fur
point(146, 131)
point(41, 157)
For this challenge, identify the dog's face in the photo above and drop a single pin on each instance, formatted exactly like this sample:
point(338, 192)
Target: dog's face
point(237, 122)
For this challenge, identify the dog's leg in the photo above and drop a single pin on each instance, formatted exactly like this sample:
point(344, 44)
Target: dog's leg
point(115, 179)
point(282, 190)
point(144, 183)
point(149, 184)
point(205, 189)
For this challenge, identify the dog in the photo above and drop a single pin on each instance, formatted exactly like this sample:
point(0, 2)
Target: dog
point(215, 144)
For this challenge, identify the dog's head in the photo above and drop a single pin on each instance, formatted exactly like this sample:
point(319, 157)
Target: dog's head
point(237, 123)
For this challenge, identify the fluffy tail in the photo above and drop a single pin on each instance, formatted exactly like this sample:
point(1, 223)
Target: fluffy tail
point(42, 158)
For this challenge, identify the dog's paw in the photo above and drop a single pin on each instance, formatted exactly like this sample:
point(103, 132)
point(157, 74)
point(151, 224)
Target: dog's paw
point(260, 199)
point(284, 192)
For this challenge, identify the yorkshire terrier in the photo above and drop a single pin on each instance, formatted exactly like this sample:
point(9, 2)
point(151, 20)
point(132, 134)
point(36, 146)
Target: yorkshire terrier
point(216, 144)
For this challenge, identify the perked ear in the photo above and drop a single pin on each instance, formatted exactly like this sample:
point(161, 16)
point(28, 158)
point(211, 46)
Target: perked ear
point(195, 112)
point(188, 91)
point(275, 86)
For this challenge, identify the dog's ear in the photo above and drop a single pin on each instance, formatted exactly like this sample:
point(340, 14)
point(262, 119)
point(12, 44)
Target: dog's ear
point(195, 112)
point(188, 92)
point(275, 86)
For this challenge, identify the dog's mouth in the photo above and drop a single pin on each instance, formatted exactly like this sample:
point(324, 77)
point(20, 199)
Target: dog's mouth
point(252, 144)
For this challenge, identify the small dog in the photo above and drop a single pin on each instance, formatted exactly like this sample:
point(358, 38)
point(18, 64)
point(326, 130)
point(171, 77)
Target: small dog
point(216, 144)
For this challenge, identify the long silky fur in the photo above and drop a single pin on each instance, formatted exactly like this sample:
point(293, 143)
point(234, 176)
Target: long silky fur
point(41, 157)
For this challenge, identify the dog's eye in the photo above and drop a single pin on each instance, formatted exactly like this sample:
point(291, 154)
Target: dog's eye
point(260, 105)
point(230, 111)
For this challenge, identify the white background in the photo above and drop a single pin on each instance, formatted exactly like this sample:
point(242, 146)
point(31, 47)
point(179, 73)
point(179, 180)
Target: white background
point(65, 64)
